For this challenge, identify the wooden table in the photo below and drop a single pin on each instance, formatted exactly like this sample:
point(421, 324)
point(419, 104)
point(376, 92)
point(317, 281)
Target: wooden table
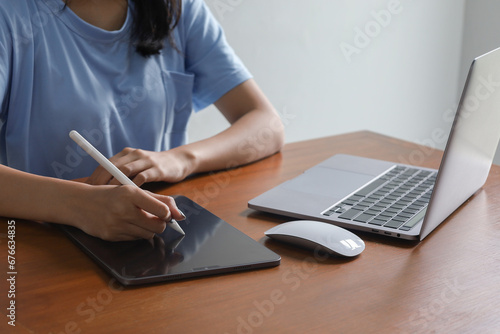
point(448, 283)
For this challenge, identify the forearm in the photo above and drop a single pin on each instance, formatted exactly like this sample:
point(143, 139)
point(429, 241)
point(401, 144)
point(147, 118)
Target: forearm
point(257, 134)
point(108, 212)
point(33, 197)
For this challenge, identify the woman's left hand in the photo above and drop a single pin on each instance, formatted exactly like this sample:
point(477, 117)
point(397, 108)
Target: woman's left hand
point(256, 132)
point(143, 166)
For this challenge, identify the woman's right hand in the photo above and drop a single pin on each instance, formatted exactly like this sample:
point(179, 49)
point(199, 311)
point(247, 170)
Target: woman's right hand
point(108, 212)
point(118, 213)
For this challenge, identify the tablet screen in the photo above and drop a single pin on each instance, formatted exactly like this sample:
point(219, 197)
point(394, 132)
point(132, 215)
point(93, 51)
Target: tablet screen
point(210, 246)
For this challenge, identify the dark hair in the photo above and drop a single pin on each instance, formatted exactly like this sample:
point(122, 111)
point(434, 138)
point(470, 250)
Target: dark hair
point(154, 21)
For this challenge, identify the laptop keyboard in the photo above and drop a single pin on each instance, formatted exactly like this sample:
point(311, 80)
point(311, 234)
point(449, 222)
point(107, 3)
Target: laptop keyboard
point(398, 199)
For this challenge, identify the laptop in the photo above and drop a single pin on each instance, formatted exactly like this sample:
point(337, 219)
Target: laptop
point(397, 199)
point(211, 246)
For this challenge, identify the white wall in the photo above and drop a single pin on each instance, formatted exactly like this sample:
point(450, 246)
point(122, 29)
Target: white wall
point(481, 30)
point(400, 83)
point(481, 34)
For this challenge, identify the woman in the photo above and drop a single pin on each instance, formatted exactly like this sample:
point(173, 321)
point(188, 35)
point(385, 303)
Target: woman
point(126, 75)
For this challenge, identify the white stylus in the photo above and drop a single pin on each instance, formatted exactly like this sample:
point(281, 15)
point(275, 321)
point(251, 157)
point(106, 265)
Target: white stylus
point(112, 169)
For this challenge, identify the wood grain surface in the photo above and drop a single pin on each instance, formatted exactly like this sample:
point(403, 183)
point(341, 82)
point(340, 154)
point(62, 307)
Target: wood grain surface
point(449, 283)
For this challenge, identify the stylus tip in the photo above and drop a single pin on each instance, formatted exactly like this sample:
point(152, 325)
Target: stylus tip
point(175, 226)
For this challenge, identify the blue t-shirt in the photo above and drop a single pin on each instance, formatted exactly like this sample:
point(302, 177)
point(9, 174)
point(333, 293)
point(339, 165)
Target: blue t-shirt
point(59, 73)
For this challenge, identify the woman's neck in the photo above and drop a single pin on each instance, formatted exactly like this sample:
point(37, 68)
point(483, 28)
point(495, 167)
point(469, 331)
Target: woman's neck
point(105, 14)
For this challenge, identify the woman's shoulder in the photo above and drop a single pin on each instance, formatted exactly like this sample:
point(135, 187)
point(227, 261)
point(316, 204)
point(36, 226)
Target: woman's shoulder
point(192, 7)
point(25, 11)
point(19, 20)
point(18, 7)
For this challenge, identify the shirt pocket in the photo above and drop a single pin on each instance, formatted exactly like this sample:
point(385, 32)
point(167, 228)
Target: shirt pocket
point(179, 95)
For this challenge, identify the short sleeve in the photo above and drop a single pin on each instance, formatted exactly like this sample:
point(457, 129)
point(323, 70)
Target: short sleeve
point(216, 67)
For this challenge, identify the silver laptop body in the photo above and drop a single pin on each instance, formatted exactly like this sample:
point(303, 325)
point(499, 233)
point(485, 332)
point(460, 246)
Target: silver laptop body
point(333, 189)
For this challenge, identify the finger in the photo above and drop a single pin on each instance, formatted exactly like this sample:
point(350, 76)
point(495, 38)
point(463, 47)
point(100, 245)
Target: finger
point(141, 224)
point(151, 204)
point(100, 176)
point(147, 175)
point(126, 156)
point(141, 171)
point(131, 163)
point(121, 161)
point(146, 226)
point(141, 229)
point(175, 212)
point(126, 151)
point(136, 226)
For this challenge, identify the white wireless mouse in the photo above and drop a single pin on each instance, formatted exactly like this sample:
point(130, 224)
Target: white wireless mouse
point(312, 234)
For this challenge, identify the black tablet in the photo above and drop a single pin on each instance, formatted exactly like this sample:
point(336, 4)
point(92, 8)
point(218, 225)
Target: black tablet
point(210, 246)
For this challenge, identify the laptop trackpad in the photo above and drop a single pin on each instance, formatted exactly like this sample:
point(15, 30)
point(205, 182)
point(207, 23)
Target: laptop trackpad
point(329, 182)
